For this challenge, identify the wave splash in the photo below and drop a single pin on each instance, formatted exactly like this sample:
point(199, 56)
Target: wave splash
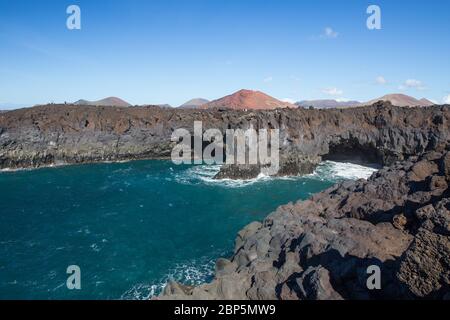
point(326, 171)
point(204, 174)
point(192, 273)
point(336, 171)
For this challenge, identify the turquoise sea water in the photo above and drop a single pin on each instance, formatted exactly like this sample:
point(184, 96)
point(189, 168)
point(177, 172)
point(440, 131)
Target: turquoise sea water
point(131, 226)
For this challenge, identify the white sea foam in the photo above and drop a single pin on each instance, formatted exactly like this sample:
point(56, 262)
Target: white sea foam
point(17, 169)
point(51, 165)
point(141, 291)
point(193, 272)
point(327, 170)
point(204, 174)
point(330, 170)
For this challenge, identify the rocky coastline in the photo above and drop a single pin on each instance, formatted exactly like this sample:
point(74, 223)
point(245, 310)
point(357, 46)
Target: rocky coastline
point(72, 134)
point(321, 248)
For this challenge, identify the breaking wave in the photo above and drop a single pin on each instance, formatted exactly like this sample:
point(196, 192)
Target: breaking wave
point(204, 174)
point(336, 171)
point(192, 273)
point(326, 171)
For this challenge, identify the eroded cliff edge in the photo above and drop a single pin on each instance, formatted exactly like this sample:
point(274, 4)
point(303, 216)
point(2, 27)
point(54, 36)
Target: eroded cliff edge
point(66, 134)
point(399, 220)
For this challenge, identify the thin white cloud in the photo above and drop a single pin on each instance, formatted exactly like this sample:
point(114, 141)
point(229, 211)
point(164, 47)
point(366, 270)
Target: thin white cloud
point(333, 92)
point(446, 99)
point(268, 79)
point(329, 33)
point(380, 80)
point(412, 84)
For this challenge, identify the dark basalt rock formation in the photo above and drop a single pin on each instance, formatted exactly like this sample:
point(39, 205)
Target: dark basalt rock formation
point(399, 220)
point(381, 133)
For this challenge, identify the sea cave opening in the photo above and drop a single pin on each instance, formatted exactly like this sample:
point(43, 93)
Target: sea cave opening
point(352, 151)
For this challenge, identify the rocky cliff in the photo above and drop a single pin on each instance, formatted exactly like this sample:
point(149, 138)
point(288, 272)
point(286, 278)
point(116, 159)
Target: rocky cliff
point(322, 248)
point(56, 134)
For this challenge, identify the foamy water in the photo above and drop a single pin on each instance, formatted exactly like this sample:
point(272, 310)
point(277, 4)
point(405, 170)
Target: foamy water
point(342, 170)
point(204, 174)
point(327, 170)
point(194, 272)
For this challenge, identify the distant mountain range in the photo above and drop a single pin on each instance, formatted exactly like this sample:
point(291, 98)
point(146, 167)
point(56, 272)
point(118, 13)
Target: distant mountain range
point(396, 99)
point(402, 100)
point(110, 101)
point(326, 104)
point(194, 103)
point(247, 99)
point(257, 100)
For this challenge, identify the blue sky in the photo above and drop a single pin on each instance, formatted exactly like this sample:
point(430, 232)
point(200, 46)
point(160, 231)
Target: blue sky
point(169, 51)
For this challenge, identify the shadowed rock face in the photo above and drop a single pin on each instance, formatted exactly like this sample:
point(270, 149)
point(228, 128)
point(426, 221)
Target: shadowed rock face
point(321, 248)
point(56, 134)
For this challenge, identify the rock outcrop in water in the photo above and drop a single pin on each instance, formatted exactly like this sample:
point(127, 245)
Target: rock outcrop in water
point(321, 248)
point(57, 134)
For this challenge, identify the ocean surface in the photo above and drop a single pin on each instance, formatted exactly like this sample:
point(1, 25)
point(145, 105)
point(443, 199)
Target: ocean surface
point(132, 226)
